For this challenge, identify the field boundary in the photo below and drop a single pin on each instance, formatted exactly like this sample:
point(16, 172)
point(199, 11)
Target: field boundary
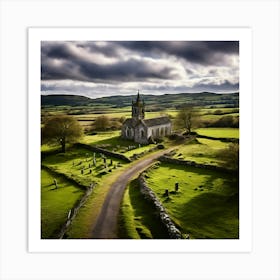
point(223, 139)
point(65, 177)
point(195, 164)
point(173, 231)
point(74, 211)
point(78, 204)
point(103, 151)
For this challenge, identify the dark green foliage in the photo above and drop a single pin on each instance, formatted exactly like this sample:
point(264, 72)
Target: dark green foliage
point(230, 156)
point(61, 130)
point(226, 121)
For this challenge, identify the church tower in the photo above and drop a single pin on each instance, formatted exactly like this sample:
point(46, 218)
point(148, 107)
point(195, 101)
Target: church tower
point(138, 108)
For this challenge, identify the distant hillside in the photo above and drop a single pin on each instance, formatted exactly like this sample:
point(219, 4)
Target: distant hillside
point(65, 100)
point(155, 102)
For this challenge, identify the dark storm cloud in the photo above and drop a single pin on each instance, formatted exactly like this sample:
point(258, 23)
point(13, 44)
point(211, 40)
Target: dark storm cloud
point(194, 51)
point(60, 62)
point(161, 66)
point(125, 71)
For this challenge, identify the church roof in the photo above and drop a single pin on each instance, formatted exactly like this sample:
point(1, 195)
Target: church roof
point(149, 122)
point(156, 121)
point(130, 122)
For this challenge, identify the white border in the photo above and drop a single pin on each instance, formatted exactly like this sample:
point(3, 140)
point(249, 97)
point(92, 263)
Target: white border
point(243, 35)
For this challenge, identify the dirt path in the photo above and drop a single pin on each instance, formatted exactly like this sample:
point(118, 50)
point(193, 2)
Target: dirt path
point(107, 221)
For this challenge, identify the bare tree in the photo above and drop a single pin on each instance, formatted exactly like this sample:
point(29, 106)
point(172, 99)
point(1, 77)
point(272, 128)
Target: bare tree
point(185, 118)
point(61, 130)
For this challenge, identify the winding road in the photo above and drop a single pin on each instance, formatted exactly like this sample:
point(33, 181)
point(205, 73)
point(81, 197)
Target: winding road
point(106, 226)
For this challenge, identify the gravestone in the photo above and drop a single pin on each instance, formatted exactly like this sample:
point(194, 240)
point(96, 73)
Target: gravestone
point(176, 187)
point(55, 183)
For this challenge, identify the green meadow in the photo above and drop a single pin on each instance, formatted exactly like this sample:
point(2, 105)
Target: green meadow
point(203, 151)
point(206, 205)
point(56, 203)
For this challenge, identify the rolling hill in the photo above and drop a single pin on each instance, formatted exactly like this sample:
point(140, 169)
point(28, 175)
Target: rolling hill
point(154, 101)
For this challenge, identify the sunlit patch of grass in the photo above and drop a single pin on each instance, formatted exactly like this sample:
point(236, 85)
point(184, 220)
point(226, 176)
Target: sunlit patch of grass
point(56, 203)
point(219, 132)
point(203, 151)
point(206, 205)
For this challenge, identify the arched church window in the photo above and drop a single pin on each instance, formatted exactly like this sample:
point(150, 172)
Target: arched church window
point(142, 134)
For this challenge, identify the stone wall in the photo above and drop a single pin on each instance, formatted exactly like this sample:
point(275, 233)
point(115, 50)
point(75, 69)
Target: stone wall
point(103, 151)
point(74, 211)
point(198, 165)
point(149, 195)
point(233, 140)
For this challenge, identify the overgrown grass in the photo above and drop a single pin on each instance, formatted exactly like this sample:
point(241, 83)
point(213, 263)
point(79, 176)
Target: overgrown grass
point(56, 203)
point(206, 205)
point(137, 219)
point(219, 132)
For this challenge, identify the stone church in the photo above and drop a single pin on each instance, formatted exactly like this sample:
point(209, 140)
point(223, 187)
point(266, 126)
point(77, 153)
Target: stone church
point(144, 131)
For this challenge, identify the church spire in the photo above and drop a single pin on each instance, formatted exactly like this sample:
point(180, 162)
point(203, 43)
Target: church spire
point(138, 97)
point(138, 108)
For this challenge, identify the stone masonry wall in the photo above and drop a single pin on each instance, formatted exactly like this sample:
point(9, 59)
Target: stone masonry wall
point(149, 195)
point(194, 164)
point(103, 151)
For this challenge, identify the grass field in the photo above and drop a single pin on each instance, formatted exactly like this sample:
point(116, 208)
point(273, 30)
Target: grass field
point(219, 132)
point(206, 205)
point(56, 203)
point(203, 151)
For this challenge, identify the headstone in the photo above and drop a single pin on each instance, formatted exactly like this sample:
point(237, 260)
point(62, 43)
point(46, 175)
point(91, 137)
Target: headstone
point(176, 187)
point(111, 162)
point(82, 171)
point(166, 193)
point(55, 183)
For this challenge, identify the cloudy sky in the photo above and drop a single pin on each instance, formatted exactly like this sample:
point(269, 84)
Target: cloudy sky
point(95, 68)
